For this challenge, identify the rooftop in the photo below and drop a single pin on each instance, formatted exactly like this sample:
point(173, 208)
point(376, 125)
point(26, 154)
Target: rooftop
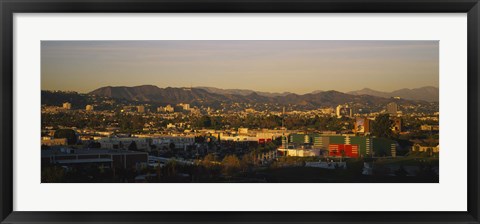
point(76, 161)
point(59, 151)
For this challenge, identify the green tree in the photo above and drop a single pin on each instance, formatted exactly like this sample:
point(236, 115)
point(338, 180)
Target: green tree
point(270, 146)
point(231, 165)
point(52, 174)
point(171, 168)
point(247, 162)
point(382, 126)
point(208, 160)
point(204, 122)
point(69, 134)
point(277, 141)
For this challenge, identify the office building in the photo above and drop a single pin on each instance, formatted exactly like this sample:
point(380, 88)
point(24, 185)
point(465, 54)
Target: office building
point(343, 111)
point(392, 108)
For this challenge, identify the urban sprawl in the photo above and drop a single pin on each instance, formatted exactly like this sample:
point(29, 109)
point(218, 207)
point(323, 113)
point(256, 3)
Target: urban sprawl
point(108, 140)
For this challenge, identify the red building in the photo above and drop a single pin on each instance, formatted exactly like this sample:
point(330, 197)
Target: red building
point(263, 141)
point(343, 149)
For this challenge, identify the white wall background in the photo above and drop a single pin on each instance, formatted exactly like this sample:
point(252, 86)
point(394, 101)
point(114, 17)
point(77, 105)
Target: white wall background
point(448, 195)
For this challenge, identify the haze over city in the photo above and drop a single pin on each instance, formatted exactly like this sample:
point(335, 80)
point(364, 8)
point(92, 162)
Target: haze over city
point(270, 66)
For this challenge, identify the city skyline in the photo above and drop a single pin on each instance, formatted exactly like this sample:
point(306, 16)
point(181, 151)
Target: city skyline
point(269, 66)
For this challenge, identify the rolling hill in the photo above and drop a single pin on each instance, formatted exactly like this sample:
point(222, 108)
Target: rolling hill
point(169, 95)
point(427, 93)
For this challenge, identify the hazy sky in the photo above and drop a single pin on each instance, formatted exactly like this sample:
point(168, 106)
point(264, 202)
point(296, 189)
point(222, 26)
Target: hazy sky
point(272, 66)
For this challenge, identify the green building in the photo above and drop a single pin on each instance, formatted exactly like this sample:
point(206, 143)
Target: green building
point(384, 147)
point(367, 145)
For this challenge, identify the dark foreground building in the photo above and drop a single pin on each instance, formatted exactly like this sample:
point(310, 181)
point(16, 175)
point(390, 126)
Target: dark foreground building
point(107, 158)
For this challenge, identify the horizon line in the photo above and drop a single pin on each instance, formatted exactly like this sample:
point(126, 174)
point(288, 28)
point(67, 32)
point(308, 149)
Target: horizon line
point(245, 89)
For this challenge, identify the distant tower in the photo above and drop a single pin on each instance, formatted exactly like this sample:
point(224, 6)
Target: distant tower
point(392, 108)
point(397, 124)
point(306, 139)
point(284, 141)
point(338, 110)
point(284, 138)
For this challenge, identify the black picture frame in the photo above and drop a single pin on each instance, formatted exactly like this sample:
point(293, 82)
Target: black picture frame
point(9, 7)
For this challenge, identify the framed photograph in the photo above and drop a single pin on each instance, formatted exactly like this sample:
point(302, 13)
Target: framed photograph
point(239, 111)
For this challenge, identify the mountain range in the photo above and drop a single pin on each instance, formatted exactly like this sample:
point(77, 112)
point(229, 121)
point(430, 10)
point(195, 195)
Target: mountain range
point(242, 92)
point(208, 96)
point(427, 93)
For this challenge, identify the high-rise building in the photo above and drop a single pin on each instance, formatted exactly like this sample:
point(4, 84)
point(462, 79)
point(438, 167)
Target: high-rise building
point(397, 124)
point(67, 106)
point(362, 125)
point(141, 109)
point(337, 111)
point(89, 108)
point(343, 111)
point(306, 139)
point(392, 108)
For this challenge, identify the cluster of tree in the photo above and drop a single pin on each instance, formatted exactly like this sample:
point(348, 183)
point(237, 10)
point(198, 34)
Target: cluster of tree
point(231, 165)
point(130, 123)
point(87, 174)
point(52, 174)
point(79, 101)
point(79, 120)
point(208, 122)
point(69, 134)
point(382, 126)
point(126, 122)
point(266, 147)
point(272, 121)
point(57, 98)
point(288, 161)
